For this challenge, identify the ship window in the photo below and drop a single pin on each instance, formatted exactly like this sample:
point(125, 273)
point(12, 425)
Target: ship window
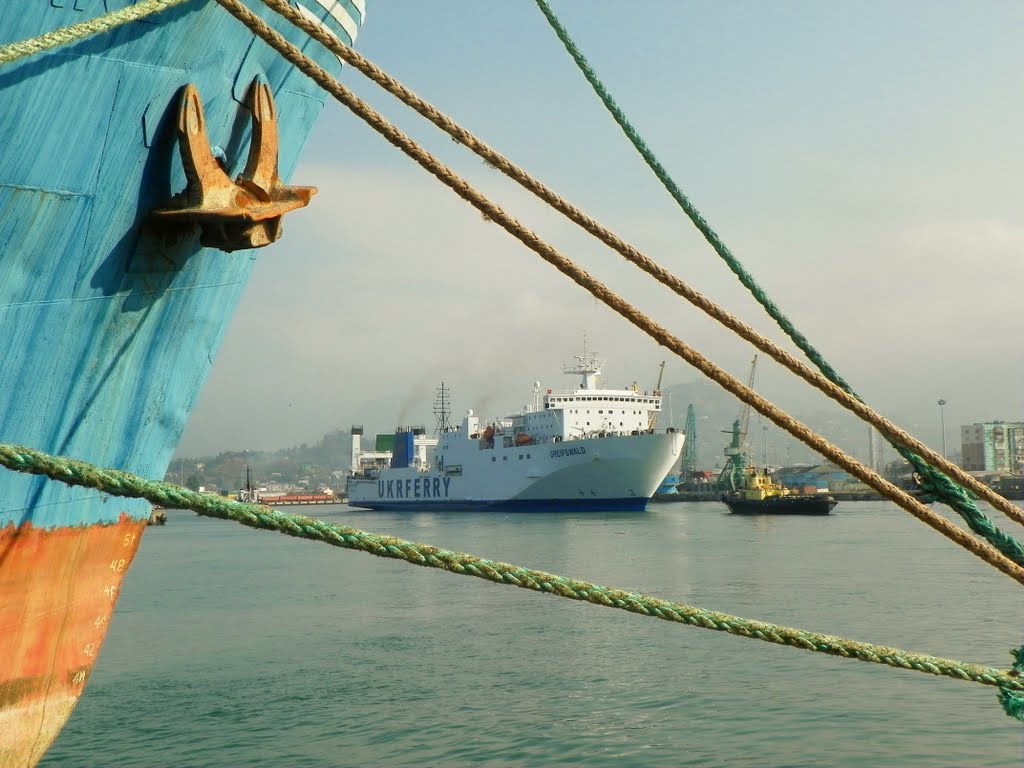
point(494, 458)
point(527, 455)
point(504, 458)
point(520, 457)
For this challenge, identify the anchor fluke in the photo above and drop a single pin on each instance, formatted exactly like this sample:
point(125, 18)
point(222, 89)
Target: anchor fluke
point(246, 212)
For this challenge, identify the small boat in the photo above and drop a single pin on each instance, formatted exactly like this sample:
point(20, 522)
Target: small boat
point(761, 495)
point(248, 495)
point(753, 491)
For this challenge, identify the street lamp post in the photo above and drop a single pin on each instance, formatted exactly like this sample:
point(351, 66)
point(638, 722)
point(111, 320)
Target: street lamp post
point(764, 427)
point(942, 421)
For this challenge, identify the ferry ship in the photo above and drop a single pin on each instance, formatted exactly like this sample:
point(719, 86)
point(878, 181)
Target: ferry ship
point(142, 165)
point(586, 449)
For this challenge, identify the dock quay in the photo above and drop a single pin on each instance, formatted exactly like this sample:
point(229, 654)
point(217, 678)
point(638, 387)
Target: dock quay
point(304, 498)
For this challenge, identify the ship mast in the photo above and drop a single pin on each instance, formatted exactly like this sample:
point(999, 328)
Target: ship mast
point(588, 365)
point(442, 410)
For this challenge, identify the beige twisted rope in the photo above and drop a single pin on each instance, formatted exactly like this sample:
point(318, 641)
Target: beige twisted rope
point(648, 265)
point(494, 213)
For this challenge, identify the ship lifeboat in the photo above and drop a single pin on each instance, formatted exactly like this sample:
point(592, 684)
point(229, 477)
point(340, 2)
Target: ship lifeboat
point(523, 439)
point(489, 433)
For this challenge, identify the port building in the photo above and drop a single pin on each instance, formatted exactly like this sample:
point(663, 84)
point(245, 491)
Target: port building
point(993, 446)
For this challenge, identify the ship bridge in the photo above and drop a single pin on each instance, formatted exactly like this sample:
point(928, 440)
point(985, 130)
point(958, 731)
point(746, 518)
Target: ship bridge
point(586, 411)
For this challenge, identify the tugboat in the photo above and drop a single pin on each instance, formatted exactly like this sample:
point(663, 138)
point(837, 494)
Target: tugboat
point(751, 491)
point(761, 495)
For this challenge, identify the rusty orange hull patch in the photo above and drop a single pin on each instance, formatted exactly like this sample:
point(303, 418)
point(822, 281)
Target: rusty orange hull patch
point(58, 588)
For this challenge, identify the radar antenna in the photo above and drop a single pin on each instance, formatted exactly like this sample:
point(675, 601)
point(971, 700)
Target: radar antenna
point(588, 365)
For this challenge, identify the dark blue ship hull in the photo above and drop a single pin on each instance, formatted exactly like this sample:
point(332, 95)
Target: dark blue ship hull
point(793, 504)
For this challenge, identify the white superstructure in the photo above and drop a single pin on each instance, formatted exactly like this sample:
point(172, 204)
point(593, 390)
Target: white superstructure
point(588, 448)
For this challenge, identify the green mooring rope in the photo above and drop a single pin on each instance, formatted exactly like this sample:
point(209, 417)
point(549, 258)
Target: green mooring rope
point(934, 484)
point(1011, 698)
point(124, 484)
point(75, 32)
point(127, 485)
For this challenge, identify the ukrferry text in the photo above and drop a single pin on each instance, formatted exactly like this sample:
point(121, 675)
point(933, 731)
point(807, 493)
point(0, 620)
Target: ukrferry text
point(410, 488)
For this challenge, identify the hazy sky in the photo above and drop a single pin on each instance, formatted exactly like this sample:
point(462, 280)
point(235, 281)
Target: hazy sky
point(862, 159)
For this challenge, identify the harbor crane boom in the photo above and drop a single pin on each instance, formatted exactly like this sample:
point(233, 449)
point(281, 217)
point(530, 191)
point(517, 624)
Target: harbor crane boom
point(689, 465)
point(736, 453)
point(745, 410)
point(657, 390)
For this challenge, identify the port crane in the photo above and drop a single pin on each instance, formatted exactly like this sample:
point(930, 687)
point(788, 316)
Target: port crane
point(689, 465)
point(653, 418)
point(736, 453)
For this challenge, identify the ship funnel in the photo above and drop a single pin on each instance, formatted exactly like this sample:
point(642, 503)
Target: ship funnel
point(357, 448)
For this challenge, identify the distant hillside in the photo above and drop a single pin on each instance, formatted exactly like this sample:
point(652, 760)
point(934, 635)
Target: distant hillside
point(306, 466)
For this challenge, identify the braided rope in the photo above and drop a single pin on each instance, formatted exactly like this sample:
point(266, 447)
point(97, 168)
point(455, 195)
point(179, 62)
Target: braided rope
point(1012, 699)
point(978, 522)
point(124, 484)
point(497, 215)
point(934, 483)
point(75, 32)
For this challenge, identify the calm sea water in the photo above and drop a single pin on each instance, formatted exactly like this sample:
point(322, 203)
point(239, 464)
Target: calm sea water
point(234, 647)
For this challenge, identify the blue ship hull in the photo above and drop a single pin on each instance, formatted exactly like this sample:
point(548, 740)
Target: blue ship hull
point(109, 331)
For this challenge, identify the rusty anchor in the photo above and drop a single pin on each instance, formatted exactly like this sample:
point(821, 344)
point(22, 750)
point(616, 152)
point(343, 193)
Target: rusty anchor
point(246, 212)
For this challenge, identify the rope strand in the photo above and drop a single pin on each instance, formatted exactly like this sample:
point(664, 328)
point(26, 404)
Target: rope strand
point(124, 484)
point(934, 483)
point(494, 213)
point(848, 399)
